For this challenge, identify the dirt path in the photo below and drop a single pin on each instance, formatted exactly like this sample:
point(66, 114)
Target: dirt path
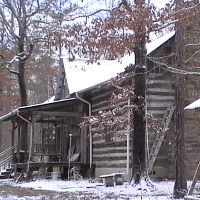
point(8, 192)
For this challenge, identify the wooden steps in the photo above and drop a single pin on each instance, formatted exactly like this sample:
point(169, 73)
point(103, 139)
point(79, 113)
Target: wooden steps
point(5, 173)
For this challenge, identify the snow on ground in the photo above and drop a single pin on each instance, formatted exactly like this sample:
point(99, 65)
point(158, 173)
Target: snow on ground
point(195, 104)
point(160, 189)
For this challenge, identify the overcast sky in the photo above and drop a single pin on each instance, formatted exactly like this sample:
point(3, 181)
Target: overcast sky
point(93, 5)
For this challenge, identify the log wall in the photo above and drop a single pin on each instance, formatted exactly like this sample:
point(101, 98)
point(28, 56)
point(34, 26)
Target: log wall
point(112, 157)
point(108, 156)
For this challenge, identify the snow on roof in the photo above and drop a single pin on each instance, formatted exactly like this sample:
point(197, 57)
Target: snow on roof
point(46, 103)
point(81, 75)
point(152, 46)
point(17, 110)
point(195, 104)
point(13, 112)
point(50, 100)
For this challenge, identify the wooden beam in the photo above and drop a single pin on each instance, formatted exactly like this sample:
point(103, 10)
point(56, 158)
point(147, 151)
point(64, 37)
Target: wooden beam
point(19, 140)
point(33, 136)
point(57, 113)
point(47, 121)
point(13, 136)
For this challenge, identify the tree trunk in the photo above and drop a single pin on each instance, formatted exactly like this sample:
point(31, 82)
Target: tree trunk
point(22, 88)
point(139, 115)
point(22, 83)
point(139, 132)
point(180, 187)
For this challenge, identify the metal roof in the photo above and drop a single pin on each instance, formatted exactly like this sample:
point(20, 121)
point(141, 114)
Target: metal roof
point(81, 76)
point(24, 109)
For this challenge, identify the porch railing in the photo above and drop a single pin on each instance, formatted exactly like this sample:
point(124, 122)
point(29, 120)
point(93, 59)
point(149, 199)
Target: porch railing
point(47, 149)
point(6, 157)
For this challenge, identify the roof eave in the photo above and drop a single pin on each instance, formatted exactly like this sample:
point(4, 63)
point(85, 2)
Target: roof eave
point(10, 115)
point(24, 109)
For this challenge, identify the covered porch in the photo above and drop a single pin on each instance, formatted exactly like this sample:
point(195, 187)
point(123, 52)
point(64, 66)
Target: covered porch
point(53, 138)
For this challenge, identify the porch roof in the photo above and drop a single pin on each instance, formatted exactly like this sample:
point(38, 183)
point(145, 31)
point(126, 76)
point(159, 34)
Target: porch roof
point(36, 107)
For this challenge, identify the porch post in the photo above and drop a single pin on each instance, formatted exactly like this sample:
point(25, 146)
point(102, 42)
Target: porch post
point(33, 136)
point(83, 145)
point(13, 142)
point(13, 130)
point(31, 144)
point(42, 137)
point(128, 139)
point(19, 140)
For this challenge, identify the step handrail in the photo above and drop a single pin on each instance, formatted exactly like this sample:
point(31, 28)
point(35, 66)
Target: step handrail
point(4, 162)
point(7, 151)
point(6, 157)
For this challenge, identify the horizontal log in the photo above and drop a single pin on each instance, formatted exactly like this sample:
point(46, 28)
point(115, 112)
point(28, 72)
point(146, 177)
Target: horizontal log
point(163, 105)
point(53, 113)
point(161, 84)
point(116, 166)
point(160, 81)
point(110, 155)
point(159, 97)
point(99, 142)
point(110, 163)
point(116, 143)
point(104, 145)
point(103, 89)
point(160, 90)
point(156, 111)
point(100, 95)
point(97, 107)
point(109, 149)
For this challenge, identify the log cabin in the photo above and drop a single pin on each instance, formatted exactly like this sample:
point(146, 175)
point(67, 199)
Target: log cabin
point(82, 91)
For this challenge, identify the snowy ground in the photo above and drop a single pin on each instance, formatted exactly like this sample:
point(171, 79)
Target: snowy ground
point(85, 190)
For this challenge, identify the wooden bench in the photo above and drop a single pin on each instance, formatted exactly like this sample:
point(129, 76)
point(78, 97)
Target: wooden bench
point(113, 179)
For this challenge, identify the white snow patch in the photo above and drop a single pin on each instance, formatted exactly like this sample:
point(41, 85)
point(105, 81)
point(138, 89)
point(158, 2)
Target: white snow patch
point(162, 189)
point(195, 104)
point(158, 42)
point(50, 100)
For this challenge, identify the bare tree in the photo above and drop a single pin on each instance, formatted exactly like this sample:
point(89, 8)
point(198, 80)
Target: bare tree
point(19, 18)
point(25, 30)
